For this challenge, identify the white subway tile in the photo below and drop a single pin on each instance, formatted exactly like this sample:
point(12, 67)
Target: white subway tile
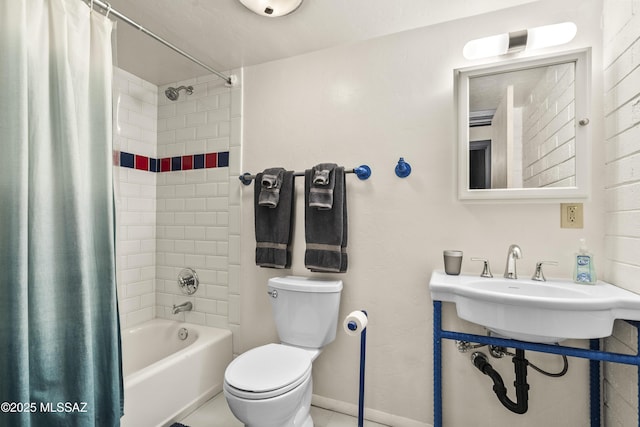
point(186, 107)
point(222, 248)
point(129, 275)
point(139, 288)
point(148, 300)
point(222, 218)
point(206, 103)
point(174, 232)
point(205, 218)
point(222, 307)
point(185, 218)
point(174, 149)
point(185, 134)
point(139, 232)
point(184, 246)
point(194, 204)
point(196, 176)
point(174, 259)
point(216, 262)
point(205, 247)
point(208, 189)
point(217, 233)
point(207, 131)
point(194, 232)
point(175, 177)
point(207, 276)
point(139, 316)
point(166, 111)
point(217, 292)
point(140, 260)
point(195, 318)
point(206, 305)
point(217, 321)
point(218, 144)
point(128, 305)
point(176, 122)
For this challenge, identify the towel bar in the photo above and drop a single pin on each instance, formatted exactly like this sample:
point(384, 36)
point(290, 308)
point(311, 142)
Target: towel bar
point(363, 172)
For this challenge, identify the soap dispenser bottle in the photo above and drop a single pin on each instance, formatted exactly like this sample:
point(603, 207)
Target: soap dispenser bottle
point(584, 270)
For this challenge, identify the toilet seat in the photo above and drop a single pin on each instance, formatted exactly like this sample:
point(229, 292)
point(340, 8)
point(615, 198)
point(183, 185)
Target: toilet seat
point(267, 371)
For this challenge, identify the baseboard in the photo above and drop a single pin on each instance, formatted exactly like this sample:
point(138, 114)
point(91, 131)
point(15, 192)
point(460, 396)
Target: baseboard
point(369, 414)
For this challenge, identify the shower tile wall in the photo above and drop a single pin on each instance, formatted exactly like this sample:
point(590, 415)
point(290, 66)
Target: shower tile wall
point(177, 219)
point(135, 116)
point(198, 210)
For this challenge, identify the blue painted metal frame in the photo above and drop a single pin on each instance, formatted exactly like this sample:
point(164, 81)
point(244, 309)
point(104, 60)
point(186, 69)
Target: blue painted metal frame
point(594, 355)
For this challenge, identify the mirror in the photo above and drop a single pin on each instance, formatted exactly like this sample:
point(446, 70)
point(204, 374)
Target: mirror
point(522, 128)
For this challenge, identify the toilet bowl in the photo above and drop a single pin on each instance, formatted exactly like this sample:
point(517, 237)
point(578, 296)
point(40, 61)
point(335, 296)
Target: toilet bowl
point(271, 386)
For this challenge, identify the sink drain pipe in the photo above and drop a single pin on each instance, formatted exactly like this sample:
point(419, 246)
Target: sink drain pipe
point(521, 404)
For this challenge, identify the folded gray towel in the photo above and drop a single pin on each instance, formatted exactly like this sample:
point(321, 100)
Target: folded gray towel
point(274, 226)
point(326, 229)
point(270, 184)
point(322, 186)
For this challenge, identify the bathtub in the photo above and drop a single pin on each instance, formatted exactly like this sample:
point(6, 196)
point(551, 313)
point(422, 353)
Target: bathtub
point(165, 377)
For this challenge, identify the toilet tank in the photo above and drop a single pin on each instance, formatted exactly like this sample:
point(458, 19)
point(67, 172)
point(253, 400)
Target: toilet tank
point(305, 309)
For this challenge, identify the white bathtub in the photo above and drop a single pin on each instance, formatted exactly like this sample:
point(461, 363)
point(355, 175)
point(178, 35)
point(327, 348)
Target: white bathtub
point(165, 377)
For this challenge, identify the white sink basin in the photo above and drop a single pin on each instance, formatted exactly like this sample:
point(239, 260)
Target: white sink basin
point(528, 310)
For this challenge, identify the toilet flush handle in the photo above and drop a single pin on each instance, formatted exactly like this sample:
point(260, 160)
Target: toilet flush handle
point(273, 293)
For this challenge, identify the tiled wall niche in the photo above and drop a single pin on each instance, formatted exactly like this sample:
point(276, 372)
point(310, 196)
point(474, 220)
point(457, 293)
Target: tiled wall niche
point(184, 215)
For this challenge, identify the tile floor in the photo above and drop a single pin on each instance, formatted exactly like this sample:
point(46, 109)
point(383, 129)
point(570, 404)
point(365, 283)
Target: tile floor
point(216, 413)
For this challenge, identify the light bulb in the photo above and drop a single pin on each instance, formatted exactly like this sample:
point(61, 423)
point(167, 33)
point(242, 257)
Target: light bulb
point(486, 47)
point(551, 35)
point(272, 8)
point(536, 38)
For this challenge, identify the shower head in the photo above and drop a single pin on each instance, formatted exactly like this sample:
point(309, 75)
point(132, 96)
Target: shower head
point(174, 93)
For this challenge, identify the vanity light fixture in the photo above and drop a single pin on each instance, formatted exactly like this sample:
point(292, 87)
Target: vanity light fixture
point(272, 8)
point(533, 38)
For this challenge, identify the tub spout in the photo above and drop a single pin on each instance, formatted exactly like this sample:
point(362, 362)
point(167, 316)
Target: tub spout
point(185, 306)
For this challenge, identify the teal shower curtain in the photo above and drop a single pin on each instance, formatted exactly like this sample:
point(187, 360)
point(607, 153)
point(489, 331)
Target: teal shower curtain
point(60, 359)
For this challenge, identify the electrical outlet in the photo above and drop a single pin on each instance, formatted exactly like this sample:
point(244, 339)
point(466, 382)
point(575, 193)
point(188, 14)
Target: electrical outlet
point(571, 215)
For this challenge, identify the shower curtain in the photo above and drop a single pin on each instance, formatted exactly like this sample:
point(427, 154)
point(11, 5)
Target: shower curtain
point(60, 359)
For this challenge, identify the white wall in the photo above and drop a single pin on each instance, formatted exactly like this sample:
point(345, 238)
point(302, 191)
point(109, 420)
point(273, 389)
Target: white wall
point(373, 102)
point(621, 62)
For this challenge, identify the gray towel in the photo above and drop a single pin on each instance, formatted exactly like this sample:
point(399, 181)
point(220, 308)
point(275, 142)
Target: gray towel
point(322, 185)
point(274, 226)
point(270, 184)
point(326, 229)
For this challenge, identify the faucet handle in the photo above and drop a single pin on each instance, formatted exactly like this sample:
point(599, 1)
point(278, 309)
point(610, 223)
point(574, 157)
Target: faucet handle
point(486, 271)
point(539, 275)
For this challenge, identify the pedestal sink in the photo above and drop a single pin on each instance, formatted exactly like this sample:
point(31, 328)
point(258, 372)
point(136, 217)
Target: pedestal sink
point(528, 310)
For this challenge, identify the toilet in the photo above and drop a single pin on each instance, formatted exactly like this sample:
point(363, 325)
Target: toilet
point(271, 385)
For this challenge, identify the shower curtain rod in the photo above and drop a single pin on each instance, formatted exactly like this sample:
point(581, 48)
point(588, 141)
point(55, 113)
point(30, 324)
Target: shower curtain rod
point(107, 9)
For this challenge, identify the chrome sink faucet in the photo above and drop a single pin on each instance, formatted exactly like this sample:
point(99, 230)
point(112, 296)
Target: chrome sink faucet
point(185, 306)
point(510, 270)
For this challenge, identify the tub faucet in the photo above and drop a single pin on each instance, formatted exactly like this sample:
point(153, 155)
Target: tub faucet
point(185, 306)
point(510, 270)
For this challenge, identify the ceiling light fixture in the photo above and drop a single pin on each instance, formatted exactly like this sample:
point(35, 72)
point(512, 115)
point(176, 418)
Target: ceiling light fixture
point(533, 38)
point(272, 8)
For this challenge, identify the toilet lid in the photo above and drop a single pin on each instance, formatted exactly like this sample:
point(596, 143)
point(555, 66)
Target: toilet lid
point(268, 368)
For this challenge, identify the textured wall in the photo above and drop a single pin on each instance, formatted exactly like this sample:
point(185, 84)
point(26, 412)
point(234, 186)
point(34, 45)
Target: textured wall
point(373, 102)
